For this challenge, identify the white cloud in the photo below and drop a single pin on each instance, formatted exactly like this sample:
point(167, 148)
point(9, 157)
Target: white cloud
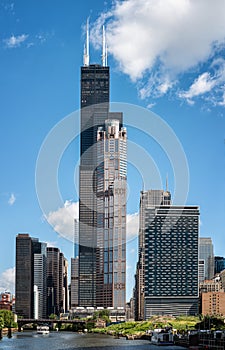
point(204, 83)
point(132, 226)
point(7, 280)
point(62, 220)
point(222, 102)
point(15, 41)
point(155, 41)
point(150, 105)
point(12, 199)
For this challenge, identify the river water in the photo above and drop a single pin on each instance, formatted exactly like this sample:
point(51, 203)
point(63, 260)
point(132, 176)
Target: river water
point(72, 341)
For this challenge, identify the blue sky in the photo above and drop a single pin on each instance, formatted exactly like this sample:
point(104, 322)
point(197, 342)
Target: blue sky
point(166, 56)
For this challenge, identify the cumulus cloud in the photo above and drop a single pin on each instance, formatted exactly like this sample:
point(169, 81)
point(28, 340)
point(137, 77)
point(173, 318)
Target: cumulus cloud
point(15, 41)
point(206, 82)
point(7, 280)
point(132, 226)
point(12, 199)
point(155, 41)
point(62, 220)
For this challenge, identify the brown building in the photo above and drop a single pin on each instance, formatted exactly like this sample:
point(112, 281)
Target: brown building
point(213, 303)
point(214, 285)
point(5, 301)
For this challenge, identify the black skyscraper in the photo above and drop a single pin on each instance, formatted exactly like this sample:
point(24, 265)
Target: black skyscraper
point(94, 111)
point(24, 276)
point(26, 248)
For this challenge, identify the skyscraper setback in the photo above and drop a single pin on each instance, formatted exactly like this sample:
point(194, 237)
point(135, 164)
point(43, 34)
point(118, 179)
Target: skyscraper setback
point(111, 215)
point(95, 81)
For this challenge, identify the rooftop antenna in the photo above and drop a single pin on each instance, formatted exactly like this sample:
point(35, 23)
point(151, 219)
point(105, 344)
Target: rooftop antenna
point(166, 182)
point(104, 48)
point(86, 45)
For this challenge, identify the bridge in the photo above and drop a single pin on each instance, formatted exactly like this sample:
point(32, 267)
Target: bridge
point(23, 321)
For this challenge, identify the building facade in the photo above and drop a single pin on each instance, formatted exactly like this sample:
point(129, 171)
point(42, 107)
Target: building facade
point(94, 101)
point(31, 280)
point(6, 301)
point(40, 280)
point(74, 302)
point(206, 256)
point(171, 260)
point(111, 176)
point(74, 283)
point(222, 277)
point(57, 287)
point(213, 303)
point(148, 199)
point(24, 276)
point(219, 262)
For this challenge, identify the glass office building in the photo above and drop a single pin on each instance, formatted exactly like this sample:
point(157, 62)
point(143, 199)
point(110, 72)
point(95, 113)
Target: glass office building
point(171, 260)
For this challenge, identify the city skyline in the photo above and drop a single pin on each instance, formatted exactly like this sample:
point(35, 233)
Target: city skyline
point(40, 86)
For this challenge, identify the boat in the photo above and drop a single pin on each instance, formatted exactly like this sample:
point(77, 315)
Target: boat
point(42, 329)
point(162, 336)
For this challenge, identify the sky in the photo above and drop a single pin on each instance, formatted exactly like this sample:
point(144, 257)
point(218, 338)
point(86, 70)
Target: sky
point(167, 67)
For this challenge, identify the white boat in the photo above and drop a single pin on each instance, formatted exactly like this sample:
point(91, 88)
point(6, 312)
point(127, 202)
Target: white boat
point(42, 329)
point(162, 337)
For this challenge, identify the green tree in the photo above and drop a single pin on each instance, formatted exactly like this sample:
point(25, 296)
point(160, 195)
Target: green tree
point(1, 322)
point(53, 317)
point(8, 318)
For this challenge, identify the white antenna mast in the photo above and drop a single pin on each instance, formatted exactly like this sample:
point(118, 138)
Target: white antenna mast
point(104, 48)
point(86, 46)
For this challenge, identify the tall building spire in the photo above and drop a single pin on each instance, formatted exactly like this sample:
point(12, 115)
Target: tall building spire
point(167, 182)
point(86, 46)
point(104, 48)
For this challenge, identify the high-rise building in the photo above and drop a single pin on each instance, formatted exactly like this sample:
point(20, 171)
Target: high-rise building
point(40, 280)
point(74, 284)
point(24, 276)
point(148, 199)
point(219, 262)
point(171, 260)
point(111, 178)
point(53, 255)
point(167, 270)
point(222, 277)
point(57, 284)
point(63, 284)
point(94, 111)
point(30, 277)
point(206, 256)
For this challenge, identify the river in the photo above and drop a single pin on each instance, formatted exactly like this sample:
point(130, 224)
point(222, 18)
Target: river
point(72, 341)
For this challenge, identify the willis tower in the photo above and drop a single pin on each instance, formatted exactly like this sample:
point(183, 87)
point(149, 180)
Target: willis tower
point(94, 102)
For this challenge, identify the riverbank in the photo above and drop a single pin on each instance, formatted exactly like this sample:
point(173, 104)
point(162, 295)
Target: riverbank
point(180, 325)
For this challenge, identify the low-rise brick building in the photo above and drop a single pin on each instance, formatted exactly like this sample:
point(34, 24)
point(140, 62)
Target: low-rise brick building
point(213, 303)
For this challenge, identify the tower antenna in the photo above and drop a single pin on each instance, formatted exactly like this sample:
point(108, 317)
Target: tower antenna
point(166, 182)
point(86, 46)
point(104, 48)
